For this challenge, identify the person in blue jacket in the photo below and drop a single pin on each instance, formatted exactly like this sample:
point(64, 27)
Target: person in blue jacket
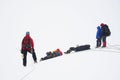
point(98, 37)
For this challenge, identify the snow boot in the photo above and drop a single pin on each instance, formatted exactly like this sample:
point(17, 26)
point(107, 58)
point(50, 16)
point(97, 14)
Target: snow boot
point(104, 44)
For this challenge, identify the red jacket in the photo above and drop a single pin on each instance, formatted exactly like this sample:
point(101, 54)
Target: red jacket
point(27, 43)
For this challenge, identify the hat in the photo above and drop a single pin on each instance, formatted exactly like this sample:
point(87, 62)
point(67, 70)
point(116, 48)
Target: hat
point(102, 24)
point(27, 33)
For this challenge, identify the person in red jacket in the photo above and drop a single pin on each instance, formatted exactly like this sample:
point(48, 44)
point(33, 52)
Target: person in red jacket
point(28, 46)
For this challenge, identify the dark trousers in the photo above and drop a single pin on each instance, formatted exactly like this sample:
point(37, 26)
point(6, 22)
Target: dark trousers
point(103, 38)
point(24, 52)
point(104, 41)
point(98, 42)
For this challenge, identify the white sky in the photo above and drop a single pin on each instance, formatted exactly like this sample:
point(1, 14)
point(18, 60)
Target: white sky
point(53, 24)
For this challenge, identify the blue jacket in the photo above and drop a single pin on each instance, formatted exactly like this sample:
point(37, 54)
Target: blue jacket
point(98, 34)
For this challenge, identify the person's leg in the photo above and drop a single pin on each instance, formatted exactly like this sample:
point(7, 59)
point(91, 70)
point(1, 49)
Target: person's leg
point(34, 56)
point(99, 42)
point(24, 57)
point(104, 41)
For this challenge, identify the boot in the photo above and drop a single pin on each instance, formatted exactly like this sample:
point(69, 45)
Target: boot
point(104, 44)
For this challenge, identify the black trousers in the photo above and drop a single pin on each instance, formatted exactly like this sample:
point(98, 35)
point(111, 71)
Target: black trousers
point(98, 42)
point(24, 52)
point(103, 38)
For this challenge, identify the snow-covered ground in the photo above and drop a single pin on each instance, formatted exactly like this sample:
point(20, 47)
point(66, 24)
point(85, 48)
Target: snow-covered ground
point(85, 65)
point(59, 24)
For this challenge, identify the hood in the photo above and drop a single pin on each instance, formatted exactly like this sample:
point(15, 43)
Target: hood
point(98, 27)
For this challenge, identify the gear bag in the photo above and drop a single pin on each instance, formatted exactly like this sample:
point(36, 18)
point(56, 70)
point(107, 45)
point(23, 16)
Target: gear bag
point(107, 30)
point(81, 48)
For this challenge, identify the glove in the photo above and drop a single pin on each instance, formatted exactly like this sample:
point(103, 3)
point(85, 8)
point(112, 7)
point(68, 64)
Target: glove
point(21, 51)
point(22, 56)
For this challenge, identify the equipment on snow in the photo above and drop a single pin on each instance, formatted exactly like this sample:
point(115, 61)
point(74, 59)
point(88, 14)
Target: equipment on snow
point(78, 48)
point(53, 54)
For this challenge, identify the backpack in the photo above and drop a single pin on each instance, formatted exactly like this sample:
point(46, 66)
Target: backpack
point(107, 30)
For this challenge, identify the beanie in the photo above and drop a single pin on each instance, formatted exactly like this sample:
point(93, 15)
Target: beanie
point(102, 24)
point(27, 33)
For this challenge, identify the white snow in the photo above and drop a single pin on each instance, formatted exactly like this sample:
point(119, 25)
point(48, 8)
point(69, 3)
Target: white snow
point(59, 24)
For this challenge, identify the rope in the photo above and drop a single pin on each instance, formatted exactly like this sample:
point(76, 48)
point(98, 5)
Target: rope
point(114, 46)
point(103, 50)
point(27, 74)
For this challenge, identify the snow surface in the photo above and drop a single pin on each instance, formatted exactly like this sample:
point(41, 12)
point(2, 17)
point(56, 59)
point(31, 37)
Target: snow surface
point(59, 24)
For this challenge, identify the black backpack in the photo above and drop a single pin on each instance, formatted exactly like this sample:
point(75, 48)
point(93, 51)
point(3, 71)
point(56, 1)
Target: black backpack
point(107, 30)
